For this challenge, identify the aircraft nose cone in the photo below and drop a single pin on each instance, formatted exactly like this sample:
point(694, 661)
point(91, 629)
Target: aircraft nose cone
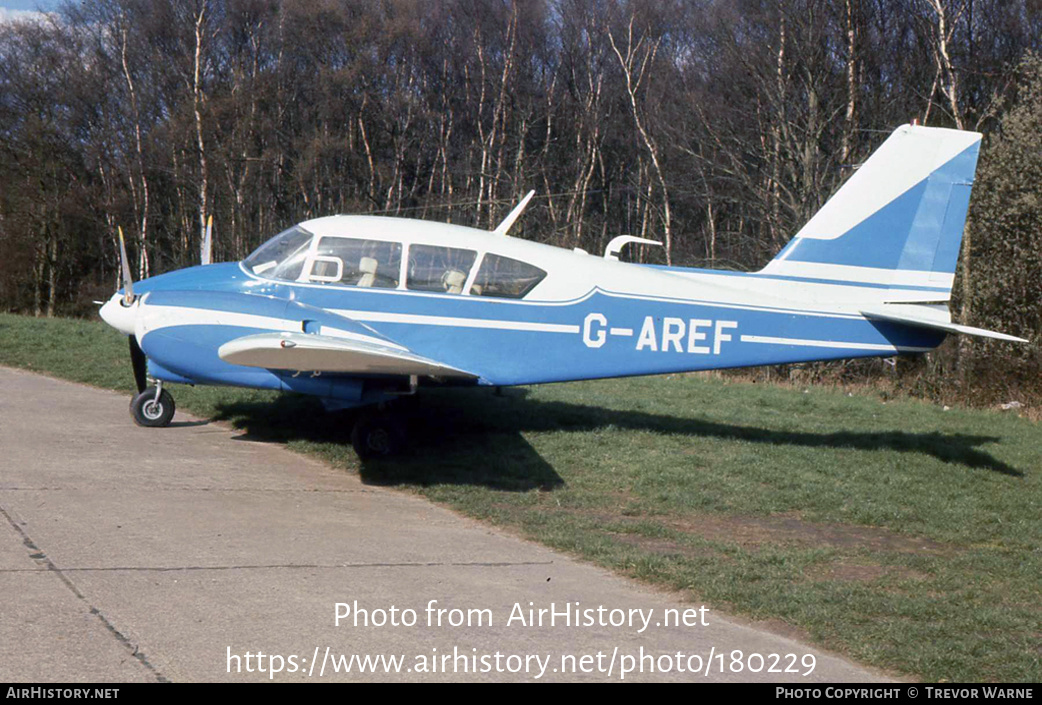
point(119, 316)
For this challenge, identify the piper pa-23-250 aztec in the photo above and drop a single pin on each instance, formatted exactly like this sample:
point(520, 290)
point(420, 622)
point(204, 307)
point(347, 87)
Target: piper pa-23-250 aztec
point(358, 310)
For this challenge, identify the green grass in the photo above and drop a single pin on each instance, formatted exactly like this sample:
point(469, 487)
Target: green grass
point(902, 535)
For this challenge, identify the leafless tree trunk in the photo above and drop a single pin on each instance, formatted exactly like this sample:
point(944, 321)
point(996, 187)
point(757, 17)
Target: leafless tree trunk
point(197, 99)
point(852, 83)
point(143, 268)
point(635, 64)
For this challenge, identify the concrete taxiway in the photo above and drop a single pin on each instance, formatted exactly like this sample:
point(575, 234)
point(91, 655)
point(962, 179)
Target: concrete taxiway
point(132, 554)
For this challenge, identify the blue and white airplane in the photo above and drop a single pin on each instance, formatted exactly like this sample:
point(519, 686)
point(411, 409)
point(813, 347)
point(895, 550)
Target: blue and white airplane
point(358, 310)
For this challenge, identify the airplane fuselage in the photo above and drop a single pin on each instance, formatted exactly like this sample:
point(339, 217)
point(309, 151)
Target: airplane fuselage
point(587, 318)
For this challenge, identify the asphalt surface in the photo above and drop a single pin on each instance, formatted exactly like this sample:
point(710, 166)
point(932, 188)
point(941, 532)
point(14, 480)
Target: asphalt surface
point(131, 554)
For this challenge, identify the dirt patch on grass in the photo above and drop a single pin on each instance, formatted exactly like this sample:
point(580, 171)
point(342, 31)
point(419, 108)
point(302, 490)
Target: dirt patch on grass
point(843, 569)
point(751, 532)
point(852, 571)
point(790, 529)
point(848, 573)
point(665, 547)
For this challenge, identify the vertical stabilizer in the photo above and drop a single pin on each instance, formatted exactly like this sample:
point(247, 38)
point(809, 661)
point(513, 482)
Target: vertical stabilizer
point(895, 226)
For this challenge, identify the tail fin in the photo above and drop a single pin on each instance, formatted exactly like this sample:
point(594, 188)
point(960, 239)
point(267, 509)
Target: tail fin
point(896, 225)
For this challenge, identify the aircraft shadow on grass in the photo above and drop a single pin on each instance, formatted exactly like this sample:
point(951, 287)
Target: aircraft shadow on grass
point(466, 437)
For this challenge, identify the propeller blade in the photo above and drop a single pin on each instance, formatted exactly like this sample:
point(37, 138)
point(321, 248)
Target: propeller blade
point(128, 282)
point(140, 365)
point(206, 254)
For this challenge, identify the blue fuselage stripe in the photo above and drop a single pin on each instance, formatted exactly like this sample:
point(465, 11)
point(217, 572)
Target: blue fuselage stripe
point(506, 342)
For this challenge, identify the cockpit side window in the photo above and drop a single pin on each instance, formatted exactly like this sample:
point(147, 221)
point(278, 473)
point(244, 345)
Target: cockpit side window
point(281, 257)
point(505, 278)
point(357, 262)
point(442, 269)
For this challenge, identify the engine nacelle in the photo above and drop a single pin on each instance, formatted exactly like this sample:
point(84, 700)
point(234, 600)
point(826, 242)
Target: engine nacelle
point(181, 332)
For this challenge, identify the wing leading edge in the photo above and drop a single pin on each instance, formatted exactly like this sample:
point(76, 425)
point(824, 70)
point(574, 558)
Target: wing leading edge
point(322, 353)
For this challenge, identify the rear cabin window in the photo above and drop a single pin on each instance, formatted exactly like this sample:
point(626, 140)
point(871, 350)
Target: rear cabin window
point(356, 262)
point(441, 269)
point(505, 278)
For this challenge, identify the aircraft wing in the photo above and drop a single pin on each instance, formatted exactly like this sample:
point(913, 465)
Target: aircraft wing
point(923, 319)
point(324, 353)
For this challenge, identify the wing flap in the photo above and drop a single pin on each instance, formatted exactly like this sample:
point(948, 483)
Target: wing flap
point(321, 353)
point(924, 320)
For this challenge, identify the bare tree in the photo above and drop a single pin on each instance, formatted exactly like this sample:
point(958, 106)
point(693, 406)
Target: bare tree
point(636, 61)
point(199, 17)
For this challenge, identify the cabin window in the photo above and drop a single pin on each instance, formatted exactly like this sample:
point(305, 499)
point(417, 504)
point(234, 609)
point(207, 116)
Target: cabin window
point(505, 278)
point(442, 269)
point(357, 262)
point(281, 257)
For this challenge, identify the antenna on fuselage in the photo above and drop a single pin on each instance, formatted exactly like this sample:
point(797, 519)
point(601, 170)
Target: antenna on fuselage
point(615, 246)
point(503, 227)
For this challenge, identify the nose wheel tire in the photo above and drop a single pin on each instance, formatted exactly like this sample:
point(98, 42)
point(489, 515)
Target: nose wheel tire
point(377, 436)
point(151, 412)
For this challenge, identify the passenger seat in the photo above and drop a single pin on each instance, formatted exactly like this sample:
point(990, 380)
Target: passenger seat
point(368, 267)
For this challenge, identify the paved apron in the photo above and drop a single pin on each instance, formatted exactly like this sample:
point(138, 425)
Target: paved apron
point(132, 554)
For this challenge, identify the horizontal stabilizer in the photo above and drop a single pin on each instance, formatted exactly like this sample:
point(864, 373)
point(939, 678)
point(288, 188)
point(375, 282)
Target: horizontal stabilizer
point(321, 353)
point(914, 318)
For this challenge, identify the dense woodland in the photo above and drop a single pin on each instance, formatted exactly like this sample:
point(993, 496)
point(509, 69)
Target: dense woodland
point(715, 126)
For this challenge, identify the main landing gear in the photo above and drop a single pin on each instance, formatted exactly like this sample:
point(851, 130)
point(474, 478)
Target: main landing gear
point(378, 435)
point(380, 430)
point(153, 407)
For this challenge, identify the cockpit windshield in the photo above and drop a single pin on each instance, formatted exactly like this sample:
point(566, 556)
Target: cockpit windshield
point(281, 257)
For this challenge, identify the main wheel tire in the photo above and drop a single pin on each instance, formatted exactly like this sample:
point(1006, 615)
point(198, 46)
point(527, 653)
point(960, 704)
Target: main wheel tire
point(150, 412)
point(377, 436)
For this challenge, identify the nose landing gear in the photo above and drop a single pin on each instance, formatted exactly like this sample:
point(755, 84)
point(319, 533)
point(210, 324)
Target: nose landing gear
point(153, 407)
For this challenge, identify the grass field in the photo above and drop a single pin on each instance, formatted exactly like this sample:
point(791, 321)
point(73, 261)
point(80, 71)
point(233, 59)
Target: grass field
point(900, 534)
